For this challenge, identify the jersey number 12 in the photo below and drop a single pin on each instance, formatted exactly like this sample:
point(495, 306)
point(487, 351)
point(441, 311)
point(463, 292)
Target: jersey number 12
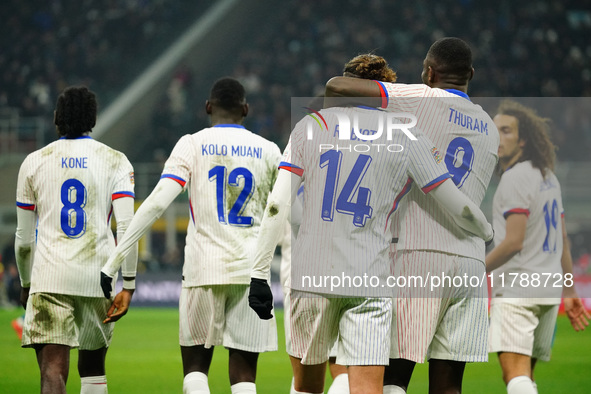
point(235, 218)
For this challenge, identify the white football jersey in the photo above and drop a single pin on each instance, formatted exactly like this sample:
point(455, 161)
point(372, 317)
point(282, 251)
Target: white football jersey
point(522, 189)
point(352, 187)
point(467, 141)
point(70, 184)
point(229, 172)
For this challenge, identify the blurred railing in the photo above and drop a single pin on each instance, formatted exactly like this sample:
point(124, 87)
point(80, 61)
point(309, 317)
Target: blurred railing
point(20, 134)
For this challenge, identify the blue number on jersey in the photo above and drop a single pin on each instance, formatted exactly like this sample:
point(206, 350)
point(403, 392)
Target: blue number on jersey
point(360, 209)
point(551, 220)
point(73, 217)
point(218, 173)
point(459, 159)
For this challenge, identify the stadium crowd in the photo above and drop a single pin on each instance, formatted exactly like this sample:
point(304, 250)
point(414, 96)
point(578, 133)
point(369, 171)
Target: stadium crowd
point(294, 53)
point(49, 45)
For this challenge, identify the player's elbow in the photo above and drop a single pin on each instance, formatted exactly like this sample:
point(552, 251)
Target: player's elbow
point(335, 87)
point(514, 246)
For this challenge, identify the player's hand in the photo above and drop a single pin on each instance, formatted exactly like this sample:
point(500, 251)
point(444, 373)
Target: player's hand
point(25, 296)
point(577, 314)
point(106, 285)
point(260, 298)
point(119, 307)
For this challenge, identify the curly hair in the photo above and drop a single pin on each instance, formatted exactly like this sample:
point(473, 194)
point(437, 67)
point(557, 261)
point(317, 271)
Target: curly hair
point(75, 111)
point(369, 66)
point(534, 130)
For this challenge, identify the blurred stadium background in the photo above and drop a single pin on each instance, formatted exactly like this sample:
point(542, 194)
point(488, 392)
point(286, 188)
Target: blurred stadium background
point(151, 62)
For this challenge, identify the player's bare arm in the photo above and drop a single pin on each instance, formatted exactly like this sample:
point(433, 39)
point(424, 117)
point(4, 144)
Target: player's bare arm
point(573, 306)
point(351, 87)
point(120, 306)
point(516, 224)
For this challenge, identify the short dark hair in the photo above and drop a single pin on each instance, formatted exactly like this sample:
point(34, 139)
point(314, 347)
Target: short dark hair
point(451, 56)
point(227, 93)
point(75, 111)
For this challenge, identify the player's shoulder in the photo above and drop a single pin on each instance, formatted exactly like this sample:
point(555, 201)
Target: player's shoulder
point(521, 174)
point(39, 154)
point(409, 89)
point(256, 139)
point(108, 152)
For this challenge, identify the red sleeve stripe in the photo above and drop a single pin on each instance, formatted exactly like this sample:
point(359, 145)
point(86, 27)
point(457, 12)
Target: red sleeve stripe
point(178, 179)
point(516, 210)
point(383, 94)
point(117, 195)
point(191, 211)
point(435, 182)
point(291, 168)
point(399, 197)
point(28, 207)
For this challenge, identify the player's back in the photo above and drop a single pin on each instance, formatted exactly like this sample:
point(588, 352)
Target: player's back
point(352, 187)
point(230, 172)
point(467, 142)
point(540, 198)
point(71, 183)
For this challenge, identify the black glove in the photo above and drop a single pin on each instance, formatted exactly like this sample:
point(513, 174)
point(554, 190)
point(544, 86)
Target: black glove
point(106, 285)
point(260, 298)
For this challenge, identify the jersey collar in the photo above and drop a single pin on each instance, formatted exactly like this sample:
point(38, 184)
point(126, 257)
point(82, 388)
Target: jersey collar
point(458, 93)
point(239, 126)
point(77, 138)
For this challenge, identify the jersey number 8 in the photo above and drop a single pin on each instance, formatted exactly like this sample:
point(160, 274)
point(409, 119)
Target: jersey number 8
point(73, 217)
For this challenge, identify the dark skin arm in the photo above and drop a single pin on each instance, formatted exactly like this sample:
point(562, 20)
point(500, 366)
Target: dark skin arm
point(120, 304)
point(573, 306)
point(25, 296)
point(352, 87)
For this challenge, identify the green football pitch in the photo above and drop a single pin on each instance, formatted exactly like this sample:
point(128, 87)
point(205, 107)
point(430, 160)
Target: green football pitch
point(145, 358)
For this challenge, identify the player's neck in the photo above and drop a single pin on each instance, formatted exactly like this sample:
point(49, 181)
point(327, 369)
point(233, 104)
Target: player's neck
point(506, 164)
point(446, 85)
point(215, 120)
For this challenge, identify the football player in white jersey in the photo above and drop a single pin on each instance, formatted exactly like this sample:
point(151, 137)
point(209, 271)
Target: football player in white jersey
point(229, 172)
point(530, 242)
point(67, 192)
point(428, 241)
point(349, 198)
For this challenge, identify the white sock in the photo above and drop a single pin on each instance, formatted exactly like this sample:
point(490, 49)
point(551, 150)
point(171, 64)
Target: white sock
point(93, 385)
point(393, 389)
point(535, 386)
point(195, 383)
point(521, 385)
point(244, 387)
point(340, 385)
point(292, 389)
